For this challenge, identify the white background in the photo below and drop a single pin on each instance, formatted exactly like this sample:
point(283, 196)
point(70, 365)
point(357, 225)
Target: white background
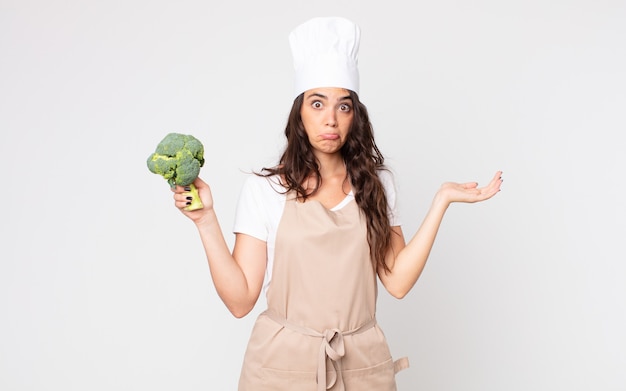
point(104, 285)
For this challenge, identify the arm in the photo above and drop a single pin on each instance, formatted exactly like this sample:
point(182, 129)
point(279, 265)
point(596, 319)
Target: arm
point(238, 277)
point(406, 262)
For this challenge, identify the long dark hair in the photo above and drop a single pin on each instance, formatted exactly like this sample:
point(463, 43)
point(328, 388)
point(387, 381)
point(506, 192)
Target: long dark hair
point(363, 160)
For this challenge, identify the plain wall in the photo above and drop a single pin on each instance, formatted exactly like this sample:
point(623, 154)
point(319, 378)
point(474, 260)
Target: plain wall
point(104, 284)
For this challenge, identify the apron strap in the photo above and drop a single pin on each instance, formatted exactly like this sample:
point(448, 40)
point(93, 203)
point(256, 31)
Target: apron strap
point(400, 364)
point(332, 347)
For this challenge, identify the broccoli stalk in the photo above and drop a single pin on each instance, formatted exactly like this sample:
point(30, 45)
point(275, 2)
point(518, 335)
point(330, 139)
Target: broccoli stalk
point(178, 158)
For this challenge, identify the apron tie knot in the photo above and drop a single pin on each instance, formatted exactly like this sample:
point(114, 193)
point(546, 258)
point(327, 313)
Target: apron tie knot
point(332, 347)
point(333, 342)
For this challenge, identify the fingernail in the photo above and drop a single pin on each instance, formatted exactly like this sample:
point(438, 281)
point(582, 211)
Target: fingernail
point(187, 188)
point(189, 198)
point(188, 203)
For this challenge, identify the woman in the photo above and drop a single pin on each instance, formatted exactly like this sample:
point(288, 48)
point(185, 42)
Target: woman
point(316, 231)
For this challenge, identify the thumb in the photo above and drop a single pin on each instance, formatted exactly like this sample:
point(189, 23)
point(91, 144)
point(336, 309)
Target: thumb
point(470, 185)
point(199, 183)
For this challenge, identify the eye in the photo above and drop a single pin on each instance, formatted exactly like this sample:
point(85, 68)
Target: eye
point(317, 104)
point(344, 107)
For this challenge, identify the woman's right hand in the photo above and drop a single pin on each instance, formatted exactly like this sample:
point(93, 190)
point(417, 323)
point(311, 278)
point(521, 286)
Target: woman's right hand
point(181, 200)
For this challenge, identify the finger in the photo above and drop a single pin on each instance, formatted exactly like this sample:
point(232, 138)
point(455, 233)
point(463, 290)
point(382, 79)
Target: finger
point(497, 176)
point(496, 181)
point(182, 197)
point(199, 182)
point(491, 190)
point(183, 203)
point(181, 189)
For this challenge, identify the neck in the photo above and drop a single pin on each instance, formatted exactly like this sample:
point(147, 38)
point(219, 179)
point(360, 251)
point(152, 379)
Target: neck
point(332, 165)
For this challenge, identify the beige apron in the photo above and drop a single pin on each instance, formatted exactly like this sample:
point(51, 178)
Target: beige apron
point(319, 331)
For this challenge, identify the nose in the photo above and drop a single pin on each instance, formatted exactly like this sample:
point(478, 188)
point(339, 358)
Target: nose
point(331, 118)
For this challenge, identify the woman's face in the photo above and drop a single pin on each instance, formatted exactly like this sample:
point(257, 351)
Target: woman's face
point(327, 115)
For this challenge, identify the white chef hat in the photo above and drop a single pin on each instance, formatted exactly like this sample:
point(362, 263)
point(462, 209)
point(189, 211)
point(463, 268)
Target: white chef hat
point(325, 54)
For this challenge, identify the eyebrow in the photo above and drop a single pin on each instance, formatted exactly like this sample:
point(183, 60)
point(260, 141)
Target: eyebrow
point(318, 95)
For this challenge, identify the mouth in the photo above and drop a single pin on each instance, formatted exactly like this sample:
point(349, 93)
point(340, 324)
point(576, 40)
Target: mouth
point(329, 136)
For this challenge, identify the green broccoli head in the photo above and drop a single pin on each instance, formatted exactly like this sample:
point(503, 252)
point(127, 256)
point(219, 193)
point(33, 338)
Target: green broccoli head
point(178, 158)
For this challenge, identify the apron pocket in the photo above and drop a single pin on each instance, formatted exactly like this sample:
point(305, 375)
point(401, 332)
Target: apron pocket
point(276, 379)
point(380, 377)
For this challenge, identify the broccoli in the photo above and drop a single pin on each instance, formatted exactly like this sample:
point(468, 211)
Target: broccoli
point(178, 158)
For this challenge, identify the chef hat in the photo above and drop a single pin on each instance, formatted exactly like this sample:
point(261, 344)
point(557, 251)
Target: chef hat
point(325, 54)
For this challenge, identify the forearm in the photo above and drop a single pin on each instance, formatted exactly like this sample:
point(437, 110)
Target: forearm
point(228, 277)
point(408, 263)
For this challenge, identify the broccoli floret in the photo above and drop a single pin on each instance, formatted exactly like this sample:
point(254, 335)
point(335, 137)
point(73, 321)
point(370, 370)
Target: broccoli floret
point(178, 158)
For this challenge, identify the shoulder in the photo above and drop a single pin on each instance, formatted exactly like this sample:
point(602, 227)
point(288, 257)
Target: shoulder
point(263, 184)
point(260, 205)
point(387, 178)
point(389, 184)
point(261, 189)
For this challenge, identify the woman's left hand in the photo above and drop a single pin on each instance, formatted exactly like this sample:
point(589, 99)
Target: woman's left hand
point(469, 192)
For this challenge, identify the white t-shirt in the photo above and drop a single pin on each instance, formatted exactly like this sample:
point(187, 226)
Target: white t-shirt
point(261, 204)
